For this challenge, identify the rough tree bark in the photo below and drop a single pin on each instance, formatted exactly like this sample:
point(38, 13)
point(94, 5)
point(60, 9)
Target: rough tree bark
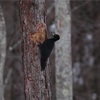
point(2, 52)
point(63, 51)
point(32, 16)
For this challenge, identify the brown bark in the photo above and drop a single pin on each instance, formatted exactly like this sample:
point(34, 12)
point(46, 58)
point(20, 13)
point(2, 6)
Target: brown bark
point(32, 16)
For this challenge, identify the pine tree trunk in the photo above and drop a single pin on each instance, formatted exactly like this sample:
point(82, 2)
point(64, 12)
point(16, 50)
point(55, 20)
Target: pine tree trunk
point(63, 51)
point(32, 16)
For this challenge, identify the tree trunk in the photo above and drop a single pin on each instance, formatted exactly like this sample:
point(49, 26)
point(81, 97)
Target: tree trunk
point(2, 52)
point(63, 51)
point(32, 16)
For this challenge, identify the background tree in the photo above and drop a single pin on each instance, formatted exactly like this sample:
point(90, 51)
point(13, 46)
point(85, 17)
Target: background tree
point(12, 74)
point(63, 51)
point(2, 52)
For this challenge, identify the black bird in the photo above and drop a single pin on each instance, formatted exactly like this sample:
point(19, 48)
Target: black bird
point(46, 48)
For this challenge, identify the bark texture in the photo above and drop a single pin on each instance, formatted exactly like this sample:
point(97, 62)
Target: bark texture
point(2, 52)
point(63, 51)
point(32, 16)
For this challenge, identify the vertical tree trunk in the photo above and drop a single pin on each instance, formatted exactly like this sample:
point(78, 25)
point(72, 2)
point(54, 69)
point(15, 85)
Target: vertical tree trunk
point(32, 16)
point(12, 74)
point(2, 52)
point(63, 51)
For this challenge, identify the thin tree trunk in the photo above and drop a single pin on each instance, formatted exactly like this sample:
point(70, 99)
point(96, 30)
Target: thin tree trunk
point(63, 51)
point(32, 16)
point(2, 52)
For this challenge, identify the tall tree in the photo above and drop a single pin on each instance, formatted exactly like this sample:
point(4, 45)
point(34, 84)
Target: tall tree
point(32, 16)
point(2, 52)
point(63, 50)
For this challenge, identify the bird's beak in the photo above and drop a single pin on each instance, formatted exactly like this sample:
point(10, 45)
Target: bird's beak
point(53, 33)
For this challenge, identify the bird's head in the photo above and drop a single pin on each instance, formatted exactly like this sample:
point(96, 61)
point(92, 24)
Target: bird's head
point(56, 36)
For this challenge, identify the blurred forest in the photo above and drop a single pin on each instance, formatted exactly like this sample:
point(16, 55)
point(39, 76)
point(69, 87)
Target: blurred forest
point(85, 49)
point(85, 18)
